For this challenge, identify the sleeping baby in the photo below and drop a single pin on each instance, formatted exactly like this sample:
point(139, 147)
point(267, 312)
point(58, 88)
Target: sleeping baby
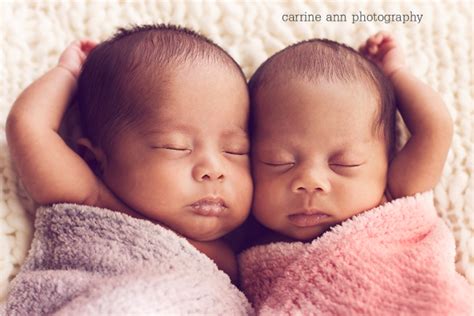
point(163, 165)
point(347, 225)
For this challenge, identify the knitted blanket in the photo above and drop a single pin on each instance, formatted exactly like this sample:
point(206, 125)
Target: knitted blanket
point(396, 259)
point(438, 50)
point(92, 261)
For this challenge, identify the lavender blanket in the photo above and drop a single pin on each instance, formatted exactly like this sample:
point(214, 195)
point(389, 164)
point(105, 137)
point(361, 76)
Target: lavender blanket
point(91, 261)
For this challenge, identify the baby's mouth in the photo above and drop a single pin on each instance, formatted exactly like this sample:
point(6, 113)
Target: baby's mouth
point(307, 218)
point(209, 206)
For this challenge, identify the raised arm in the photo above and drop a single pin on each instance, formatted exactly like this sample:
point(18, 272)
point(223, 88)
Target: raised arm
point(419, 164)
point(49, 169)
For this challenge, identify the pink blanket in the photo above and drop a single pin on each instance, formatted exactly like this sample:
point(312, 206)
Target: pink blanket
point(397, 258)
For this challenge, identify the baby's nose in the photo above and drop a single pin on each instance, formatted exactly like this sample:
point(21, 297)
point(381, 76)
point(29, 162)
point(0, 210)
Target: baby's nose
point(310, 181)
point(210, 175)
point(208, 168)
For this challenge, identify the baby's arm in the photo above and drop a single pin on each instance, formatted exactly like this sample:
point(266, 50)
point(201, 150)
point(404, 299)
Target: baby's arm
point(49, 169)
point(418, 166)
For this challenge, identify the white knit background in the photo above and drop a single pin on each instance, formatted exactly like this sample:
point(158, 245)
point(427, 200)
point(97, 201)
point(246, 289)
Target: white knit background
point(439, 51)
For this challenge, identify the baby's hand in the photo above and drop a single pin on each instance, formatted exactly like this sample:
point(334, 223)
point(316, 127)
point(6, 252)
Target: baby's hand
point(382, 49)
point(75, 54)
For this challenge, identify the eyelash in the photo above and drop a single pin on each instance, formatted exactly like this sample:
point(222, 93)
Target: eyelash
point(170, 148)
point(291, 164)
point(345, 166)
point(236, 153)
point(186, 149)
point(279, 164)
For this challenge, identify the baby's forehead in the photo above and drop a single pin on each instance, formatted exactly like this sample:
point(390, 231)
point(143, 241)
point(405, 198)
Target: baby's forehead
point(197, 92)
point(160, 85)
point(305, 108)
point(294, 88)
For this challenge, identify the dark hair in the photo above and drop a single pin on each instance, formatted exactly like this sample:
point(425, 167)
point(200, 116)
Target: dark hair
point(123, 73)
point(321, 59)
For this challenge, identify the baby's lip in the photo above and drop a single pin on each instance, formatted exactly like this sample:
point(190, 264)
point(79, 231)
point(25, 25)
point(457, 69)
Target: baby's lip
point(307, 217)
point(209, 206)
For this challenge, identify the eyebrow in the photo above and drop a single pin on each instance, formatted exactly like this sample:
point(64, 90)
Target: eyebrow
point(238, 131)
point(174, 128)
point(350, 147)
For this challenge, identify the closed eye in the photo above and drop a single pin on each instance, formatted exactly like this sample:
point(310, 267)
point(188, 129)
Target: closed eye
point(278, 164)
point(345, 165)
point(236, 148)
point(237, 153)
point(171, 148)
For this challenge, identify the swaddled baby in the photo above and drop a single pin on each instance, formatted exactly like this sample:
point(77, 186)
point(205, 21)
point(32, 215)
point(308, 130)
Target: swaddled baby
point(164, 117)
point(326, 172)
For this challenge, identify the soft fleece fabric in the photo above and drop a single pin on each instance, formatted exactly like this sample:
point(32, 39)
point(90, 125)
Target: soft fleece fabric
point(91, 261)
point(396, 259)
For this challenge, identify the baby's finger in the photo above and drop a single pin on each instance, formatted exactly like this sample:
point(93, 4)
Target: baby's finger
point(87, 45)
point(385, 47)
point(82, 57)
point(73, 44)
point(390, 40)
point(374, 40)
point(380, 37)
point(383, 35)
point(373, 49)
point(386, 37)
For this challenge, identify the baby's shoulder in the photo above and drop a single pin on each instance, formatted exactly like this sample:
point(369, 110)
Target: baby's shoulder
point(103, 197)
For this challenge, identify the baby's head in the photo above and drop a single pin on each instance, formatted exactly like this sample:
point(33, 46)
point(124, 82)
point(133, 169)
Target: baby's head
point(164, 113)
point(322, 128)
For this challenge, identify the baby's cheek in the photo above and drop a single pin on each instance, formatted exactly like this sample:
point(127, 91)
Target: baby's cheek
point(360, 196)
point(263, 209)
point(267, 195)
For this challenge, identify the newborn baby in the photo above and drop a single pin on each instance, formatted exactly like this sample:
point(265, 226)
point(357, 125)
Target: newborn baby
point(164, 114)
point(326, 172)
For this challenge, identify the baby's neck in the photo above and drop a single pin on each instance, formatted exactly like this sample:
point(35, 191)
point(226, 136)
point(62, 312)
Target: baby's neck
point(222, 255)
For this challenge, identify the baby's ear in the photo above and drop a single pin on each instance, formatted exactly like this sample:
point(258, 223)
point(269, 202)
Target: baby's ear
point(92, 155)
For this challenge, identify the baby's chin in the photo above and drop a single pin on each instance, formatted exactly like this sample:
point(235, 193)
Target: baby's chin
point(211, 230)
point(302, 234)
